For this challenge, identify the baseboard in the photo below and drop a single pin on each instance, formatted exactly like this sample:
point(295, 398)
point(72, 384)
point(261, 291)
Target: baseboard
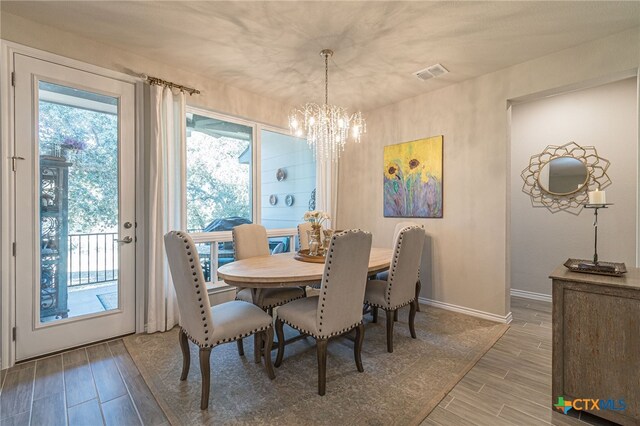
point(531, 295)
point(506, 319)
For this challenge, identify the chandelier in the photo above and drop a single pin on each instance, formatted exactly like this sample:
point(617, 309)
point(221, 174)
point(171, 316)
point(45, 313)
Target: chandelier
point(326, 127)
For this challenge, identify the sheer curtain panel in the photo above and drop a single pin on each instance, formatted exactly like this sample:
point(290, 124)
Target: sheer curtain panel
point(165, 200)
point(327, 188)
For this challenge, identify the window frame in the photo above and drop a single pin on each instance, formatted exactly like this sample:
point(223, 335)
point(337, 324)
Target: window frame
point(254, 186)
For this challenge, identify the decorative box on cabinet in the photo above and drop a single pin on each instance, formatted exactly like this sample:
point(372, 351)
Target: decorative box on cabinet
point(596, 343)
point(54, 232)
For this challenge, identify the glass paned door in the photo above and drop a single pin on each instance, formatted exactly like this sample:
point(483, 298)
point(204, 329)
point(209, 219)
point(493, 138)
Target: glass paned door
point(78, 156)
point(75, 232)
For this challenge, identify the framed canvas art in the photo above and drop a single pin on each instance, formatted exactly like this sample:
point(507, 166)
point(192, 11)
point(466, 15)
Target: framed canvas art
point(413, 179)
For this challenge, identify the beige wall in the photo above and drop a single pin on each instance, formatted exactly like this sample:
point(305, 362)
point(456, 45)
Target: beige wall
point(469, 263)
point(215, 96)
point(605, 117)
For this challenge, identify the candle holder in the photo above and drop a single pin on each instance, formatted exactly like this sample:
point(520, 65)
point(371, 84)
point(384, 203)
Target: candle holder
point(596, 266)
point(595, 208)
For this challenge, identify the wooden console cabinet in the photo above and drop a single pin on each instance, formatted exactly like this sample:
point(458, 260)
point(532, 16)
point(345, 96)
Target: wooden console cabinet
point(596, 341)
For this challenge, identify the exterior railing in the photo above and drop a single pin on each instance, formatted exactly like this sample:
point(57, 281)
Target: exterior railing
point(93, 258)
point(215, 248)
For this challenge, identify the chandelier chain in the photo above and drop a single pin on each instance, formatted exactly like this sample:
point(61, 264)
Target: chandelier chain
point(326, 79)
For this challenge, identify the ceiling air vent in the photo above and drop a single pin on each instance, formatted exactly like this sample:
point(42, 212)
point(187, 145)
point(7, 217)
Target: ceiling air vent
point(430, 72)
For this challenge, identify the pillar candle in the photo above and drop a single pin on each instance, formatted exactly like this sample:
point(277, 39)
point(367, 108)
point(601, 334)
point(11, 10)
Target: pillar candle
point(597, 197)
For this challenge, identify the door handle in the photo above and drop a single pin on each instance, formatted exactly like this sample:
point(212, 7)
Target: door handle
point(125, 240)
point(13, 162)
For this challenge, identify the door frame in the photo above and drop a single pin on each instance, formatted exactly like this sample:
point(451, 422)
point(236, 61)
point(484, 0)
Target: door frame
point(7, 184)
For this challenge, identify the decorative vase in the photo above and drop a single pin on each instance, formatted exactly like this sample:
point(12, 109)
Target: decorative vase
point(315, 240)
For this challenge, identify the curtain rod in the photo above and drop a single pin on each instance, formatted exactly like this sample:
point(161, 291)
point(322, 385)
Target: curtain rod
point(161, 82)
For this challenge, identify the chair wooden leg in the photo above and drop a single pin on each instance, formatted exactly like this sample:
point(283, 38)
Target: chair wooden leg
point(280, 333)
point(389, 330)
point(186, 355)
point(412, 318)
point(418, 287)
point(395, 315)
point(205, 371)
point(357, 348)
point(257, 347)
point(374, 314)
point(268, 342)
point(240, 347)
point(321, 345)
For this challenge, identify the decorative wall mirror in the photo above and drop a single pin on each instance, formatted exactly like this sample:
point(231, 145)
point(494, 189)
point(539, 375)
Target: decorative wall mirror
point(560, 177)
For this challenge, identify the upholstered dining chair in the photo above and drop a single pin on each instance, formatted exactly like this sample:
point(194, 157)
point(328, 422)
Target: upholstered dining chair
point(250, 240)
point(338, 307)
point(208, 326)
point(384, 275)
point(303, 237)
point(399, 289)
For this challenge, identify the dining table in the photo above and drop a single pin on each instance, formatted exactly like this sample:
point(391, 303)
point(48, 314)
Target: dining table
point(284, 270)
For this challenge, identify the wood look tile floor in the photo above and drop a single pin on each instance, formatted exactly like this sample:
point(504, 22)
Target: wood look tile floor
point(100, 385)
point(511, 384)
point(96, 385)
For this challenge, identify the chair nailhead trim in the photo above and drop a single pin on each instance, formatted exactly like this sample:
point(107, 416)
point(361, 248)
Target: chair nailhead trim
point(205, 323)
point(376, 305)
point(230, 339)
point(320, 336)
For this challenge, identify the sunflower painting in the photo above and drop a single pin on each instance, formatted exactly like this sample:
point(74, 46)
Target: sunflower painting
point(413, 179)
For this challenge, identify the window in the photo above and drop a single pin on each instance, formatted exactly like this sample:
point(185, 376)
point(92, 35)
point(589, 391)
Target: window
point(287, 179)
point(219, 174)
point(221, 182)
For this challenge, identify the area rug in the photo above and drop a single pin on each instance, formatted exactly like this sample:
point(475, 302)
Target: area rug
point(396, 388)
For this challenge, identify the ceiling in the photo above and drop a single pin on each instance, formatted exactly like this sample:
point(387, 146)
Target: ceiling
point(272, 48)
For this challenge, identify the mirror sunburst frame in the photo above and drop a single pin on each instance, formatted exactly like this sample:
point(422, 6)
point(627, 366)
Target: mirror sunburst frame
point(574, 202)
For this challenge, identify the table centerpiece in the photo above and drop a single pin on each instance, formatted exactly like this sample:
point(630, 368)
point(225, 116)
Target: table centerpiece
point(317, 245)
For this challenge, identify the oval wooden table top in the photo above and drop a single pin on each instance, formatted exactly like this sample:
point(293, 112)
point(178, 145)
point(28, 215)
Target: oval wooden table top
point(281, 270)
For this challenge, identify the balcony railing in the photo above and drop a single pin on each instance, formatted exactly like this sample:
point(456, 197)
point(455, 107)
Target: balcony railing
point(215, 248)
point(93, 258)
